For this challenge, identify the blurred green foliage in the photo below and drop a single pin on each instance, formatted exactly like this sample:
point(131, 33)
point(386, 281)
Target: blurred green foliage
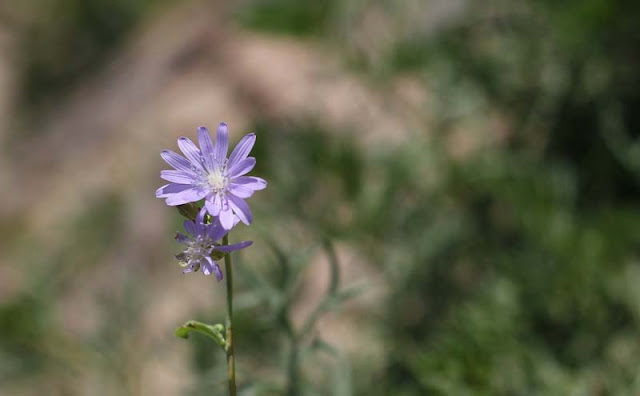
point(68, 39)
point(288, 16)
point(510, 274)
point(30, 332)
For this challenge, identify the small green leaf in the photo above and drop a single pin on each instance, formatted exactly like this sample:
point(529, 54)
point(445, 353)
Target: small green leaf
point(214, 332)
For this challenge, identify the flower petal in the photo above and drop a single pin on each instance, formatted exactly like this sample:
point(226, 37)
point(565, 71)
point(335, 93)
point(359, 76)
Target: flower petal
point(188, 269)
point(186, 196)
point(242, 167)
point(178, 176)
point(234, 247)
point(226, 218)
point(216, 269)
point(213, 205)
point(242, 150)
point(222, 143)
point(191, 151)
point(207, 265)
point(200, 216)
point(206, 147)
point(215, 231)
point(240, 191)
point(199, 223)
point(240, 208)
point(172, 188)
point(181, 238)
point(190, 227)
point(176, 160)
point(252, 182)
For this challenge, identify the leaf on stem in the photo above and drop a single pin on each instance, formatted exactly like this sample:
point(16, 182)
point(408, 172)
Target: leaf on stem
point(214, 332)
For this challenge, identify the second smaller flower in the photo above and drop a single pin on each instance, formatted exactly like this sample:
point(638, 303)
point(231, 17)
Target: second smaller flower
point(202, 245)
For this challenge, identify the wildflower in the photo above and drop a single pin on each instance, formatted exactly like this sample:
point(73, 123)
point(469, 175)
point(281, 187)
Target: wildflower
point(207, 173)
point(202, 246)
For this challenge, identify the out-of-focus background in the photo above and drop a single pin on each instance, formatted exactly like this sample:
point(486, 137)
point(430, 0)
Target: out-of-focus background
point(472, 168)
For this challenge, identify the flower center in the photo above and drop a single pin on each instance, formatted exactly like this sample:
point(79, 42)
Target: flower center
point(217, 179)
point(198, 248)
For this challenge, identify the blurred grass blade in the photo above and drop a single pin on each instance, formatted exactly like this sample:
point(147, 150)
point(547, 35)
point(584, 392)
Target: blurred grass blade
point(350, 292)
point(334, 266)
point(331, 301)
point(341, 371)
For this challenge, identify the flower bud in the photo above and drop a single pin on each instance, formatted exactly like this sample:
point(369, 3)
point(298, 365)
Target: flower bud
point(189, 210)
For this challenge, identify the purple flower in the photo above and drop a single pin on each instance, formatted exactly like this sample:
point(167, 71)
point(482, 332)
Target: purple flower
point(201, 246)
point(207, 173)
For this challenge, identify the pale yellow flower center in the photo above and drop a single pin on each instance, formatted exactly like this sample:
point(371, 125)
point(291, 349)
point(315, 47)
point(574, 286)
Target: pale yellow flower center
point(217, 180)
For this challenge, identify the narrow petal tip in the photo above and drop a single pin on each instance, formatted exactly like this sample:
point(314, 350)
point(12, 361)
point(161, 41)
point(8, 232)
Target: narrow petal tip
point(216, 269)
point(160, 193)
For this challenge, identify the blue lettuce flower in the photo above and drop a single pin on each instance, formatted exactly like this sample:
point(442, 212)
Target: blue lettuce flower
point(208, 173)
point(202, 245)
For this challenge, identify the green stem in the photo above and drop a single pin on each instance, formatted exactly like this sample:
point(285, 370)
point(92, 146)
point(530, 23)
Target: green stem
point(293, 387)
point(231, 366)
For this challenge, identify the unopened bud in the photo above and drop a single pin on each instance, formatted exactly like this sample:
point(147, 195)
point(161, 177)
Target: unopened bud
point(189, 210)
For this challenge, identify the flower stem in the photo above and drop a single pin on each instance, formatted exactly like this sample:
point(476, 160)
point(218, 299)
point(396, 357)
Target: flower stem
point(231, 366)
point(293, 387)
